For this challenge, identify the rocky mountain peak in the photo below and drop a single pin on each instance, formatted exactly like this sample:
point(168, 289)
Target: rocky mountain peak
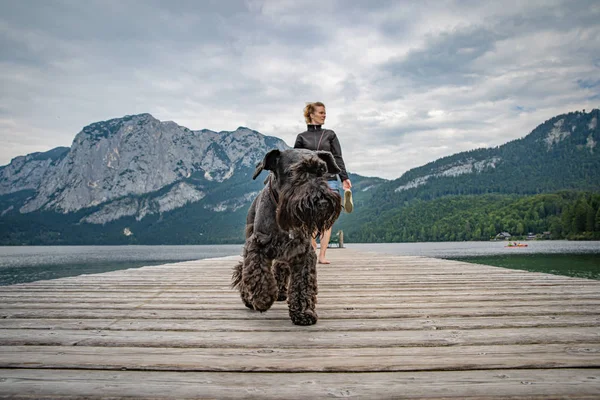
point(27, 172)
point(136, 155)
point(105, 129)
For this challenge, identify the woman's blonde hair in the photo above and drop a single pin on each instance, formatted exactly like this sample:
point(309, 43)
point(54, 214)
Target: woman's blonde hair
point(310, 109)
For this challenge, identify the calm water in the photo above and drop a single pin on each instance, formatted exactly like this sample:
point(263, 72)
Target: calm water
point(26, 264)
point(33, 263)
point(579, 259)
point(452, 250)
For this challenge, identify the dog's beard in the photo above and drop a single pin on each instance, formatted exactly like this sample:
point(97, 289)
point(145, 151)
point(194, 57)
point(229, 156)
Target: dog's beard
point(309, 211)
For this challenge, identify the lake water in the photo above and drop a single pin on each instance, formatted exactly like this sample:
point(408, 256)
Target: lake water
point(32, 263)
point(471, 249)
point(560, 257)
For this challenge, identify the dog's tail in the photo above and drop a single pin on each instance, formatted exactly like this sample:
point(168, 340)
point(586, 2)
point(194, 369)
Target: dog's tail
point(236, 277)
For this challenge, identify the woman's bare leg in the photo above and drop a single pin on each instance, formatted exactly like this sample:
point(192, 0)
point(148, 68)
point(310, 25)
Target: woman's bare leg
point(324, 242)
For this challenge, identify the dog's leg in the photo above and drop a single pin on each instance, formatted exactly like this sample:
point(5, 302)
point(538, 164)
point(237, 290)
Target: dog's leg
point(303, 287)
point(258, 280)
point(281, 270)
point(236, 283)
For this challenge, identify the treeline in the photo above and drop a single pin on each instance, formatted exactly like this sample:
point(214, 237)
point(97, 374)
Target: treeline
point(566, 215)
point(186, 225)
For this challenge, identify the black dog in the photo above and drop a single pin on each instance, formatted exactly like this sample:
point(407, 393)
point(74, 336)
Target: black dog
point(295, 203)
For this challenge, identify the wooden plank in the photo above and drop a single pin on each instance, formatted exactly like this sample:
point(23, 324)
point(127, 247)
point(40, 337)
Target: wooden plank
point(234, 303)
point(280, 311)
point(267, 359)
point(333, 280)
point(357, 272)
point(397, 286)
point(346, 284)
point(457, 294)
point(274, 325)
point(302, 338)
point(485, 384)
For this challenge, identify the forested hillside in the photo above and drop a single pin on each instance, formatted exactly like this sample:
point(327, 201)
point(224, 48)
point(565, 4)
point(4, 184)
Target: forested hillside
point(541, 182)
point(565, 215)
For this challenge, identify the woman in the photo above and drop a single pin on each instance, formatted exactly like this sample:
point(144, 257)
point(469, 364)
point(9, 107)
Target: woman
point(317, 138)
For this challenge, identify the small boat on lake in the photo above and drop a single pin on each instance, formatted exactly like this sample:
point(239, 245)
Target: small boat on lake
point(515, 244)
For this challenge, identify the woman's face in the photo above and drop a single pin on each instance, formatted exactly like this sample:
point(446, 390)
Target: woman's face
point(318, 117)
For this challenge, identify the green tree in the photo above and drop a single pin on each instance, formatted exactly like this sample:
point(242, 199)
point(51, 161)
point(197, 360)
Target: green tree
point(579, 217)
point(435, 233)
point(590, 219)
point(491, 231)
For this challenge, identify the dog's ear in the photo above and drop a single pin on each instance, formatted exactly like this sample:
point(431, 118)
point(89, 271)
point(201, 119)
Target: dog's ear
point(326, 156)
point(268, 163)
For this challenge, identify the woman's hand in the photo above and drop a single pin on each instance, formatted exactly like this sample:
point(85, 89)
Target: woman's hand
point(347, 185)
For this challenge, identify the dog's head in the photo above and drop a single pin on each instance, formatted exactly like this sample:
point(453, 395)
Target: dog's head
point(305, 201)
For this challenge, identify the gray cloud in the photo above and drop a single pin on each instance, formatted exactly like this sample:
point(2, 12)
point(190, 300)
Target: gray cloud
point(446, 59)
point(404, 82)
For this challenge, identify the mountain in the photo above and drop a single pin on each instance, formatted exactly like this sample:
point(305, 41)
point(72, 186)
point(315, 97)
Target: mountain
point(560, 154)
point(136, 180)
point(112, 163)
point(27, 172)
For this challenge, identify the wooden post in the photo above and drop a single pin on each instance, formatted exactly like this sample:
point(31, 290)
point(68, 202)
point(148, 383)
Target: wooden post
point(341, 236)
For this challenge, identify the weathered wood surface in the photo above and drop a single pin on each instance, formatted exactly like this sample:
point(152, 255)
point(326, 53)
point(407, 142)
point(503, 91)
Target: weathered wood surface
point(390, 327)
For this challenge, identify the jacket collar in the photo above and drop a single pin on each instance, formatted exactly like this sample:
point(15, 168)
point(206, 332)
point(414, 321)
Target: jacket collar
point(314, 128)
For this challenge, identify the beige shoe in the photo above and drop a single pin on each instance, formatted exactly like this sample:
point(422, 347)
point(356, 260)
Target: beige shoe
point(348, 205)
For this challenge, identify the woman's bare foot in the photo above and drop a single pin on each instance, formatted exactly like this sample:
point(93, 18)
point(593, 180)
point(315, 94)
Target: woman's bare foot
point(324, 261)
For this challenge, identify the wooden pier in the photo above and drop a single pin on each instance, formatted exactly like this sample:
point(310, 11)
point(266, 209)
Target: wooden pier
point(390, 327)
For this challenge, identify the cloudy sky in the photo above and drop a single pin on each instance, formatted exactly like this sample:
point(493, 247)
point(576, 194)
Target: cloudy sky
point(404, 82)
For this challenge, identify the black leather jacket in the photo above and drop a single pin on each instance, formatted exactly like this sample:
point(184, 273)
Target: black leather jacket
point(317, 138)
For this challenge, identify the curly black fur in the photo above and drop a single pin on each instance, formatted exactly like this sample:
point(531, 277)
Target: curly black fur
point(279, 262)
point(281, 270)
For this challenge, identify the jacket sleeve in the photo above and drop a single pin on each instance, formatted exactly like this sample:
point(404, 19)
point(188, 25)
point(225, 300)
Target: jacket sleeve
point(336, 150)
point(299, 142)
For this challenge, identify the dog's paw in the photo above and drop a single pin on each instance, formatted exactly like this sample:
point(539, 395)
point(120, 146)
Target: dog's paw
point(263, 304)
point(308, 317)
point(245, 299)
point(248, 304)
